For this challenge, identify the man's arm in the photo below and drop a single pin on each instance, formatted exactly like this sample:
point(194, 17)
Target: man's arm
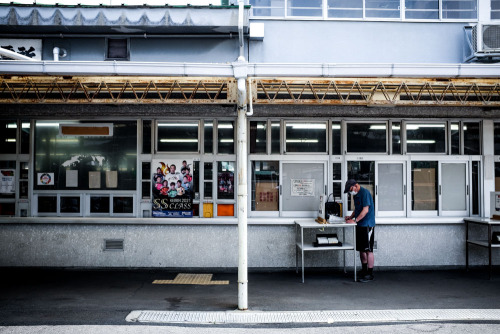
point(361, 215)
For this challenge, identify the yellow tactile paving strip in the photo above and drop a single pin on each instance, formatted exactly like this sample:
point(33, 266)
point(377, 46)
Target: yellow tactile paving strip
point(195, 279)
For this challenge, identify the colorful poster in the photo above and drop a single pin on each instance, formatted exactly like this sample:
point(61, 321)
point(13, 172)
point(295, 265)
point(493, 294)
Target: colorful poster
point(45, 179)
point(173, 188)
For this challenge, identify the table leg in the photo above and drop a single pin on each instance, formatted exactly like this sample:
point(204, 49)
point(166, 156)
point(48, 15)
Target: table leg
point(489, 247)
point(302, 250)
point(466, 245)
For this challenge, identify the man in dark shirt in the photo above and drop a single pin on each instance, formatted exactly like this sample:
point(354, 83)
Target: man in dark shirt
point(364, 216)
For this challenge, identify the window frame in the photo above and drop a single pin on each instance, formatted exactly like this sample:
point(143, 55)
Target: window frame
point(106, 50)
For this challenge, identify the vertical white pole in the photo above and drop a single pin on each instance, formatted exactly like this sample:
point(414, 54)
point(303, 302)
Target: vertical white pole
point(242, 198)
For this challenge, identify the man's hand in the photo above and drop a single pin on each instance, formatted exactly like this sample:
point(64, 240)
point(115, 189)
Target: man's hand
point(350, 221)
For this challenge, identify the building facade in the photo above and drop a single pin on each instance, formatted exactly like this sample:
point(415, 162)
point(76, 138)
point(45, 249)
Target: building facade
point(403, 96)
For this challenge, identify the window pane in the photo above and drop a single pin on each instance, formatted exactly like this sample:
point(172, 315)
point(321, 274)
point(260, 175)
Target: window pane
point(225, 132)
point(337, 172)
point(225, 180)
point(304, 7)
point(345, 8)
point(224, 210)
point(56, 153)
point(495, 9)
point(496, 139)
point(390, 187)
point(422, 9)
point(47, 204)
point(426, 138)
point(453, 186)
point(146, 137)
point(99, 204)
point(275, 137)
point(459, 9)
point(196, 179)
point(208, 190)
point(146, 170)
point(258, 132)
point(265, 185)
point(472, 139)
point(123, 204)
point(336, 138)
point(178, 137)
point(70, 204)
point(424, 185)
point(382, 8)
point(364, 173)
point(497, 176)
point(396, 138)
point(8, 182)
point(305, 137)
point(8, 137)
point(366, 137)
point(268, 7)
point(209, 137)
point(475, 187)
point(23, 189)
point(25, 138)
point(146, 190)
point(455, 138)
point(7, 209)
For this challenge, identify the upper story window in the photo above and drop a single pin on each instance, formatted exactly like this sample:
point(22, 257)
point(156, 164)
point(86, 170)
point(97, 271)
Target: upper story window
point(495, 9)
point(370, 9)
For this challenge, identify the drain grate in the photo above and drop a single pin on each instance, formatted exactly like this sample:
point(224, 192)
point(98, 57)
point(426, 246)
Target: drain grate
point(195, 279)
point(260, 317)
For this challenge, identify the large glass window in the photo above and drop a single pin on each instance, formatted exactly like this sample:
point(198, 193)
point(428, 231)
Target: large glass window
point(304, 7)
point(455, 138)
point(426, 138)
point(265, 186)
point(275, 137)
point(336, 138)
point(459, 9)
point(225, 130)
point(366, 137)
point(497, 176)
point(496, 138)
point(364, 173)
point(472, 138)
point(495, 9)
point(209, 137)
point(422, 9)
point(85, 161)
point(306, 137)
point(424, 181)
point(177, 137)
point(382, 8)
point(396, 137)
point(345, 8)
point(8, 137)
point(258, 135)
point(268, 7)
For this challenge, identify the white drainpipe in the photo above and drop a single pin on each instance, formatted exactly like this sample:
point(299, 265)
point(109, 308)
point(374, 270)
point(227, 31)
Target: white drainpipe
point(14, 55)
point(240, 73)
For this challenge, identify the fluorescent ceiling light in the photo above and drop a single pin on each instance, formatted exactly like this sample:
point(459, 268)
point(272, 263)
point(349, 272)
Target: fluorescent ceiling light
point(301, 140)
point(275, 124)
point(421, 141)
point(178, 124)
point(47, 124)
point(335, 126)
point(179, 140)
point(307, 126)
point(378, 127)
point(418, 126)
point(10, 140)
point(225, 126)
point(227, 141)
point(25, 125)
point(12, 126)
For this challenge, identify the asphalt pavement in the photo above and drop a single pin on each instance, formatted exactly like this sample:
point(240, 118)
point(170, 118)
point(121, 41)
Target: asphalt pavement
point(72, 297)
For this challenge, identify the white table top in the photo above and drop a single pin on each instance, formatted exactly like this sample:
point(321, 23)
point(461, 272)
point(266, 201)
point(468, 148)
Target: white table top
point(483, 220)
point(311, 223)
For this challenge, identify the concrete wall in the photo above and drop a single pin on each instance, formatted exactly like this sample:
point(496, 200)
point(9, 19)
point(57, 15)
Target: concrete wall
point(190, 246)
point(294, 42)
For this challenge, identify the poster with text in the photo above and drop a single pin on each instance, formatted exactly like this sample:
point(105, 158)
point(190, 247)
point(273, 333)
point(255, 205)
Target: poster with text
point(173, 188)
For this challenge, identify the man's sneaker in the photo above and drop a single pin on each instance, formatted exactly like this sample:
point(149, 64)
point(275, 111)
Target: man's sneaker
point(366, 278)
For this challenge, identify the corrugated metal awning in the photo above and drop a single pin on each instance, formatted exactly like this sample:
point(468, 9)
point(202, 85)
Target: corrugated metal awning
point(19, 19)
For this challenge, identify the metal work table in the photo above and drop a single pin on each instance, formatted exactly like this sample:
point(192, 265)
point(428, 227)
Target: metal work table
point(481, 243)
point(302, 224)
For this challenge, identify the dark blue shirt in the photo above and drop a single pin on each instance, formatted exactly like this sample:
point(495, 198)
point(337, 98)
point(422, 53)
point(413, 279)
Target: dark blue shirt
point(362, 199)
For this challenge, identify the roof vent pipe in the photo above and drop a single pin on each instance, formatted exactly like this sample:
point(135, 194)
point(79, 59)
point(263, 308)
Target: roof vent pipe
point(58, 52)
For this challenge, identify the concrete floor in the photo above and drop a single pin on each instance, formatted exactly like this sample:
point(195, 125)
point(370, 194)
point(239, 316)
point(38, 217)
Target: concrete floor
point(31, 297)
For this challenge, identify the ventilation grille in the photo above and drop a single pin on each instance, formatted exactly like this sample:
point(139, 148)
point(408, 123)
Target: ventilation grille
point(113, 244)
point(491, 37)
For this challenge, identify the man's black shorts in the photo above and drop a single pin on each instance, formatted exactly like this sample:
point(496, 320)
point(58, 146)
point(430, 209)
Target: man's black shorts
point(364, 238)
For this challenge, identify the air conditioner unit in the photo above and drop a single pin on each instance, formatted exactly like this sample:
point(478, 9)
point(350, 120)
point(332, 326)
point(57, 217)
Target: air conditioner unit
point(486, 38)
